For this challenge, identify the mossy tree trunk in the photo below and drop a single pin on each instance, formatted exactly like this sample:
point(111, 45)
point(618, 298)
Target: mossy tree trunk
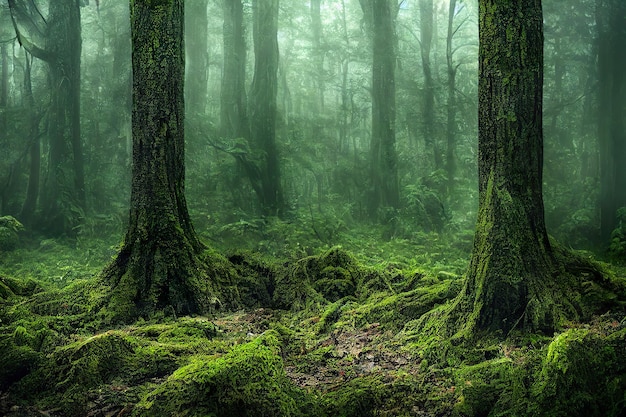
point(512, 270)
point(263, 106)
point(159, 265)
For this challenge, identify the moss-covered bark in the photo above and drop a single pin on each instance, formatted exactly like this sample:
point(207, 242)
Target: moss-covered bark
point(160, 263)
point(516, 280)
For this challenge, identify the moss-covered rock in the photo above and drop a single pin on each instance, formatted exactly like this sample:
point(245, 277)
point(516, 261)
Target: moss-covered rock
point(9, 228)
point(248, 381)
point(582, 374)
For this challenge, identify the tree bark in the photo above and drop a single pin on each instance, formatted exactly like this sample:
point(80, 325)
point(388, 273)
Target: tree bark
point(512, 261)
point(159, 265)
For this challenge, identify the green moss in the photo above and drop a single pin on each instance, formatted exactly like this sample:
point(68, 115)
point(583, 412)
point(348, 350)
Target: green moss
point(482, 385)
point(248, 381)
point(582, 374)
point(359, 397)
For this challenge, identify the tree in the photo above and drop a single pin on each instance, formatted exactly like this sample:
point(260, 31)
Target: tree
point(611, 21)
point(262, 107)
point(160, 263)
point(451, 105)
point(516, 278)
point(512, 260)
point(197, 56)
point(428, 105)
point(64, 192)
point(383, 156)
point(233, 115)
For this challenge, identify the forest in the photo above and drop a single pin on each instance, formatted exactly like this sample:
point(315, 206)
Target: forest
point(313, 208)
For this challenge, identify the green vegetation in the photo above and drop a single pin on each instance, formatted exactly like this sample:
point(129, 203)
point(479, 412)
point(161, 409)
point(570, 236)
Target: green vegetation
point(354, 346)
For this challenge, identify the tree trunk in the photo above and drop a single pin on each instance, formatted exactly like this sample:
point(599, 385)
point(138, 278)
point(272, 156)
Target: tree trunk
point(234, 120)
point(32, 191)
point(318, 52)
point(611, 20)
point(4, 83)
point(451, 111)
point(197, 56)
point(428, 104)
point(384, 185)
point(159, 265)
point(263, 105)
point(65, 184)
point(512, 261)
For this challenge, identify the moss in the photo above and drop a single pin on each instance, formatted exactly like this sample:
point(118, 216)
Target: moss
point(248, 381)
point(17, 360)
point(482, 385)
point(360, 397)
point(583, 374)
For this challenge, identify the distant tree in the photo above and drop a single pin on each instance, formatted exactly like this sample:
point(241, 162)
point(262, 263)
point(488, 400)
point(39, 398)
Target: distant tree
point(233, 113)
point(64, 191)
point(262, 107)
point(318, 51)
point(611, 24)
point(197, 56)
point(451, 127)
point(160, 264)
point(427, 32)
point(383, 156)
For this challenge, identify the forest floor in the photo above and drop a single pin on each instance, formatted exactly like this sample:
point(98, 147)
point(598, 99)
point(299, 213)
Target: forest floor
point(353, 350)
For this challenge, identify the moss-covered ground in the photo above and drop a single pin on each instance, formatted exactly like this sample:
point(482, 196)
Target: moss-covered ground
point(306, 329)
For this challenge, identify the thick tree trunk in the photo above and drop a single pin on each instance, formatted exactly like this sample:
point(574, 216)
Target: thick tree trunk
point(159, 265)
point(512, 261)
point(263, 105)
point(611, 20)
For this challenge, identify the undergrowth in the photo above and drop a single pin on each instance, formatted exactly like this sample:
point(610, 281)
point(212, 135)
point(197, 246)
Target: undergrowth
point(311, 330)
